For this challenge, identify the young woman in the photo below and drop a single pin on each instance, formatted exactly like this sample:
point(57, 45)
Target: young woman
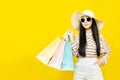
point(88, 46)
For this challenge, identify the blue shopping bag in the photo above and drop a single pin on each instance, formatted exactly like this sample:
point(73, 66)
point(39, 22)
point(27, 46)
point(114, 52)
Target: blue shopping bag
point(67, 62)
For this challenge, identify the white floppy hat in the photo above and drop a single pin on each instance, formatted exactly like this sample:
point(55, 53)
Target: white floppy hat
point(76, 19)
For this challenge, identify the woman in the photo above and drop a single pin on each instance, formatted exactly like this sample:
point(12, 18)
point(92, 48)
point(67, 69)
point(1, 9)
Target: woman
point(88, 46)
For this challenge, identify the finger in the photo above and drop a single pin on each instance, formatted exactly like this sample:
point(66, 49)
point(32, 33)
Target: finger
point(94, 63)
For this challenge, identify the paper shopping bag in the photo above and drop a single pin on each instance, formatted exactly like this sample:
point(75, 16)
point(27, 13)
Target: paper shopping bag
point(45, 55)
point(58, 56)
point(67, 62)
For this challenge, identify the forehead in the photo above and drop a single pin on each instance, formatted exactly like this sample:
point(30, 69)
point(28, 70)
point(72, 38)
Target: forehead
point(84, 16)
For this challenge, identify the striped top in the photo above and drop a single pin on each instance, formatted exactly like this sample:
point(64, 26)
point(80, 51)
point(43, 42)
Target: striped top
point(90, 47)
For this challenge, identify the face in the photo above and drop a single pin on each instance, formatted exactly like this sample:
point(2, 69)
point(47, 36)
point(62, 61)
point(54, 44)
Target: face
point(86, 22)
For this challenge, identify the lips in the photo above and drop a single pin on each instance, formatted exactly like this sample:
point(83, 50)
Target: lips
point(86, 24)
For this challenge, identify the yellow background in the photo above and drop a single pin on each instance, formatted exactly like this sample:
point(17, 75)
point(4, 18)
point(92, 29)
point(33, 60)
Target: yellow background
point(27, 26)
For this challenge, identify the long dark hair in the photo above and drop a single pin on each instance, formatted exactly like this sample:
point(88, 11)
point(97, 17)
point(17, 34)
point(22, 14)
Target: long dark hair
point(82, 38)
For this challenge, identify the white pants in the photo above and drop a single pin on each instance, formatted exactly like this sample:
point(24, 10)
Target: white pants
point(86, 70)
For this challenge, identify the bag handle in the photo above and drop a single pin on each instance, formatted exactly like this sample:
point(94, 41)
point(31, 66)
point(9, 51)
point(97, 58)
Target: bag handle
point(66, 37)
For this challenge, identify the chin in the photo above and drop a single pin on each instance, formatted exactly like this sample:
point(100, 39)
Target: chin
point(87, 27)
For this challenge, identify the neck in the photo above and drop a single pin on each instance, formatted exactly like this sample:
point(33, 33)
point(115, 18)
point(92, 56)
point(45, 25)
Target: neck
point(88, 30)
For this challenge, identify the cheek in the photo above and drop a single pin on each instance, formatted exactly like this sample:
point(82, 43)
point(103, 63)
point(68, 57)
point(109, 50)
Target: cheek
point(90, 23)
point(83, 25)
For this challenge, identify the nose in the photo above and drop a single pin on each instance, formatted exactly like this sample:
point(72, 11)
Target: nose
point(85, 22)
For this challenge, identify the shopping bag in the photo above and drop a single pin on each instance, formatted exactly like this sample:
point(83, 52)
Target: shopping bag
point(67, 62)
point(46, 54)
point(57, 58)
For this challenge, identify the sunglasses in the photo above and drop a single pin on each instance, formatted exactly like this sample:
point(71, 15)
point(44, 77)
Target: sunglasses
point(88, 19)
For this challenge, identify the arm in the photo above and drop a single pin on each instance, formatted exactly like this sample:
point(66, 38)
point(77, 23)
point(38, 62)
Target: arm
point(75, 46)
point(74, 42)
point(105, 48)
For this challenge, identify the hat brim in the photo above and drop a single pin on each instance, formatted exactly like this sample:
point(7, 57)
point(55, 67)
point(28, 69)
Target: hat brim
point(76, 20)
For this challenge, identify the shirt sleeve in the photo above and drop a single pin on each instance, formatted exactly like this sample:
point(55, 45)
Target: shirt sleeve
point(75, 46)
point(105, 48)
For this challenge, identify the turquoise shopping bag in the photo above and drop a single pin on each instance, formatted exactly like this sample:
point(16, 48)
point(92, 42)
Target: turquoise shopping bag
point(67, 62)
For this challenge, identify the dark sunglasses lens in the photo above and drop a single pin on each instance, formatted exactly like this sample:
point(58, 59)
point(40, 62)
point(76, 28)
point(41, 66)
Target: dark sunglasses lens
point(88, 19)
point(82, 20)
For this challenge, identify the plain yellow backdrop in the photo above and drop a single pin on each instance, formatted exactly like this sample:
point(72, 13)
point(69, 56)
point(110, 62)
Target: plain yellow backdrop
point(28, 26)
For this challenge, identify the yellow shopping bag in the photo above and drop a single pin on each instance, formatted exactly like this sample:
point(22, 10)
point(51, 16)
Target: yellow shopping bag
point(46, 54)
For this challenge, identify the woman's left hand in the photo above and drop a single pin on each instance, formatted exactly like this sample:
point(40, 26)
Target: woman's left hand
point(99, 63)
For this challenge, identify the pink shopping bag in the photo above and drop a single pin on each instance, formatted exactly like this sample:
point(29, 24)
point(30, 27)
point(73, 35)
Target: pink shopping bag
point(56, 60)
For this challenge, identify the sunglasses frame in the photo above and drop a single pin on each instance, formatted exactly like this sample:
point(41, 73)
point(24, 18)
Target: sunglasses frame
point(85, 19)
